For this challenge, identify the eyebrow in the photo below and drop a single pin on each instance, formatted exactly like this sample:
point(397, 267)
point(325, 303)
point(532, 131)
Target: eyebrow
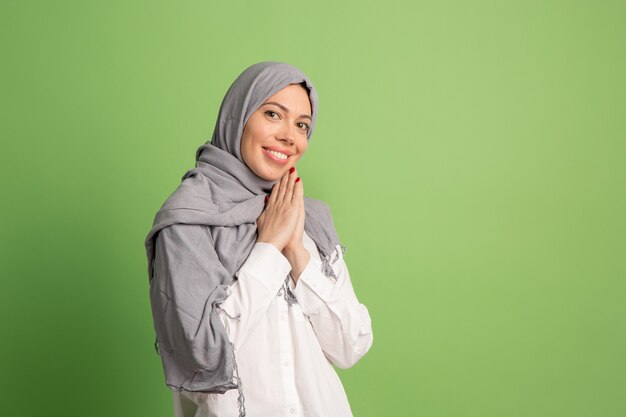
point(285, 109)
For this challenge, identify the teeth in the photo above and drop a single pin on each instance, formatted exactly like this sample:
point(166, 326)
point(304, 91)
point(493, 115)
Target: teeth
point(277, 154)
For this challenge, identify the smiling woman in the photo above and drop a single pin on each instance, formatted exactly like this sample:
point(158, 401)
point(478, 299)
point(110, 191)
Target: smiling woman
point(251, 297)
point(275, 136)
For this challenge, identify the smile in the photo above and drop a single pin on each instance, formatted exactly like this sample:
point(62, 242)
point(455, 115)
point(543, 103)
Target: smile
point(275, 155)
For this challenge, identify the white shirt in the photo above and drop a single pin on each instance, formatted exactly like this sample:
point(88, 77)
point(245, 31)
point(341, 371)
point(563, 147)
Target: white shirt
point(285, 352)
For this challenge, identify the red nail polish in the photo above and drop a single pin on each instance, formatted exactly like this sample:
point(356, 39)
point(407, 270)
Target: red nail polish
point(291, 170)
point(297, 179)
point(266, 199)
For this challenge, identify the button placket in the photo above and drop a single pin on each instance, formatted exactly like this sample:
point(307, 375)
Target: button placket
point(286, 357)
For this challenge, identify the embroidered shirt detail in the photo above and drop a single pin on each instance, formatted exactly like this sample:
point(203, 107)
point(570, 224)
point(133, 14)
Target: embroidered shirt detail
point(290, 298)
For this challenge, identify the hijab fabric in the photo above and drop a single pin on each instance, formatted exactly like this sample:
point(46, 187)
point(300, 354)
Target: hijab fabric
point(224, 197)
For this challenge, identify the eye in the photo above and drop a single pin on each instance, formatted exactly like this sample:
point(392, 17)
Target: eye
point(303, 126)
point(271, 113)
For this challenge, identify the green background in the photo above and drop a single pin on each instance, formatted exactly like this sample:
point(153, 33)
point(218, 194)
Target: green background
point(472, 153)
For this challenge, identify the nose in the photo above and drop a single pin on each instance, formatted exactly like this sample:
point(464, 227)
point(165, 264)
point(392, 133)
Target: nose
point(287, 134)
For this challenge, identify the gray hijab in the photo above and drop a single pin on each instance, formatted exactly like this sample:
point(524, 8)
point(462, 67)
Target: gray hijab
point(213, 212)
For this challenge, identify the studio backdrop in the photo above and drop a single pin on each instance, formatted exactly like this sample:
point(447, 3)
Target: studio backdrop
point(472, 154)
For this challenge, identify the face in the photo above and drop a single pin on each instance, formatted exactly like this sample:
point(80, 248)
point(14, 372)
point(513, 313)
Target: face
point(275, 136)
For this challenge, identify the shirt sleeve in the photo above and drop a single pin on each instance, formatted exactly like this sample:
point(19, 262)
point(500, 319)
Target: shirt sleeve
point(342, 324)
point(258, 280)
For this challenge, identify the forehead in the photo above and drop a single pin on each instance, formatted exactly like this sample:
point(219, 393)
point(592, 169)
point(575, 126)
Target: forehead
point(295, 97)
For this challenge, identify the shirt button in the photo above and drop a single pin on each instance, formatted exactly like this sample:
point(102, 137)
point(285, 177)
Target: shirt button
point(286, 363)
point(292, 411)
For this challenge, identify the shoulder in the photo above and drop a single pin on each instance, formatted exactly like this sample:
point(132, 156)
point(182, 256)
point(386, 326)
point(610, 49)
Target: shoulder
point(321, 213)
point(315, 205)
point(321, 225)
point(182, 233)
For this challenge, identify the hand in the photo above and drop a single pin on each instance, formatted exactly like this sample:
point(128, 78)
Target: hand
point(295, 252)
point(295, 243)
point(279, 218)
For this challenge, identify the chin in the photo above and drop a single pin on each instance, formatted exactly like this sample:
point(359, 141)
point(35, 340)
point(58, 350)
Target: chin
point(270, 174)
point(278, 176)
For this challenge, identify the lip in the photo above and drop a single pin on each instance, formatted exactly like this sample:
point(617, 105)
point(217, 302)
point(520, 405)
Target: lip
point(274, 158)
point(272, 148)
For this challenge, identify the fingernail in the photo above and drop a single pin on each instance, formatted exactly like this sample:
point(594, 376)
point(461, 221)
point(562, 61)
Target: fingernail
point(266, 198)
point(291, 170)
point(297, 179)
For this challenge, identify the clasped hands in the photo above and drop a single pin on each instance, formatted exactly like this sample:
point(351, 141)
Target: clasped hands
point(282, 221)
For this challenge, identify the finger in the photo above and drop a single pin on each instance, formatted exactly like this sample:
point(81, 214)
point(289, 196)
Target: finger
point(302, 210)
point(298, 192)
point(283, 187)
point(290, 185)
point(274, 193)
point(302, 216)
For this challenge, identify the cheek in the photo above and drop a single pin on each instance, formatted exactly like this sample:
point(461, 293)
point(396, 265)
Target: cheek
point(303, 146)
point(249, 147)
point(245, 145)
point(259, 135)
point(250, 139)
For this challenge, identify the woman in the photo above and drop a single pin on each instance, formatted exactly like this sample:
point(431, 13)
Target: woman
point(251, 298)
